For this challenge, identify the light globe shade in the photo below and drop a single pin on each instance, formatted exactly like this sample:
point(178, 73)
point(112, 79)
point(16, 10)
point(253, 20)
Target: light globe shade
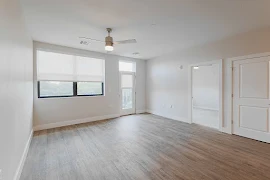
point(109, 48)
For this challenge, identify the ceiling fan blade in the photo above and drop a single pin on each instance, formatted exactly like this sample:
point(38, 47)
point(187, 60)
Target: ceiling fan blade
point(91, 39)
point(129, 41)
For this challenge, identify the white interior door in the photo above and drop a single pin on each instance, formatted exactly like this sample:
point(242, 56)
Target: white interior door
point(251, 98)
point(127, 93)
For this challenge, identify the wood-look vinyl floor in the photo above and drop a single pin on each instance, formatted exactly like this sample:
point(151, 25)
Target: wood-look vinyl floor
point(142, 147)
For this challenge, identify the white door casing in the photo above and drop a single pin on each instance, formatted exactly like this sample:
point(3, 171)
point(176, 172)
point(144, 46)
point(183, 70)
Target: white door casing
point(251, 98)
point(190, 90)
point(127, 93)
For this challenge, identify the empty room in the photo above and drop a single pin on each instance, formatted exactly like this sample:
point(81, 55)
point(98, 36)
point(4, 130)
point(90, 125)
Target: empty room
point(134, 89)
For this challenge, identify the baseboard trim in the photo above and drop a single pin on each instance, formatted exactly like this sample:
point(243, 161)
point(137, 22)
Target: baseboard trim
point(226, 130)
point(140, 111)
point(168, 116)
point(23, 158)
point(73, 122)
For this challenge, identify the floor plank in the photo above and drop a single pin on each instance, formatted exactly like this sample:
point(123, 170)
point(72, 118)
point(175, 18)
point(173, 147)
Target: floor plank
point(142, 147)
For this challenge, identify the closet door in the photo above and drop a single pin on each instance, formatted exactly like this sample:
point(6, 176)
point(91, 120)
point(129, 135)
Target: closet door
point(251, 98)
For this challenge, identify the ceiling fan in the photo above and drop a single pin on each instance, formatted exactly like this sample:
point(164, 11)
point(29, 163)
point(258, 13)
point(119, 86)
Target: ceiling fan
point(109, 41)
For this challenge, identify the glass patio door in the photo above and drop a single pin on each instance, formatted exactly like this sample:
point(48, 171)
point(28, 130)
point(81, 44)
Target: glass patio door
point(127, 93)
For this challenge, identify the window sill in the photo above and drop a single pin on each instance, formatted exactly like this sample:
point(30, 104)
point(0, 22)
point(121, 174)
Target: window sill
point(59, 97)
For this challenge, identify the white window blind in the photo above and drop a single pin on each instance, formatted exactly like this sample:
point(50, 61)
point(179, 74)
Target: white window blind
point(62, 67)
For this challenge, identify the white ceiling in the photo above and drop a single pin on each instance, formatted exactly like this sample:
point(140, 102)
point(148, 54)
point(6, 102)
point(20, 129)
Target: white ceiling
point(160, 26)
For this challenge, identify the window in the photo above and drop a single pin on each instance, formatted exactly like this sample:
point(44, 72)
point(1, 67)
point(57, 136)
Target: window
point(89, 88)
point(63, 75)
point(55, 88)
point(127, 66)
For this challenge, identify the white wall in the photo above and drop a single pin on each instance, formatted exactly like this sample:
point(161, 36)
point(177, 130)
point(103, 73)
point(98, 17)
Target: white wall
point(16, 87)
point(60, 110)
point(206, 87)
point(167, 83)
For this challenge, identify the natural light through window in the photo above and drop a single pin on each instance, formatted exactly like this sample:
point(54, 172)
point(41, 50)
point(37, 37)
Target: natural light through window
point(64, 75)
point(127, 66)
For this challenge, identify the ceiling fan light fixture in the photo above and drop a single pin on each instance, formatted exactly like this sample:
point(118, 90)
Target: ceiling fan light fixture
point(109, 48)
point(109, 43)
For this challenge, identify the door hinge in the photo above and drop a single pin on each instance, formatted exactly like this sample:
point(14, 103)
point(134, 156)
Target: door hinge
point(232, 121)
point(232, 95)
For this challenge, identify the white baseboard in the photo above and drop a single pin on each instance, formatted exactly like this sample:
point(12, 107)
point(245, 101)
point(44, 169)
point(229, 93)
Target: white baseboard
point(22, 161)
point(227, 130)
point(168, 116)
point(72, 122)
point(140, 111)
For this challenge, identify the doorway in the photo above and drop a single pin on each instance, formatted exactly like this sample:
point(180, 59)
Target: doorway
point(127, 93)
point(206, 92)
point(127, 89)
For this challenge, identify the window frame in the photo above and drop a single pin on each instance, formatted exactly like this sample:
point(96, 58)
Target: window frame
point(75, 92)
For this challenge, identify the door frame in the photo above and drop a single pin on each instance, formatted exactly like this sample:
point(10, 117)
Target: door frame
point(120, 91)
point(229, 87)
point(190, 89)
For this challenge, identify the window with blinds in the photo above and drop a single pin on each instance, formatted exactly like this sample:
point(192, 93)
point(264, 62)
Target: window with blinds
point(63, 75)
